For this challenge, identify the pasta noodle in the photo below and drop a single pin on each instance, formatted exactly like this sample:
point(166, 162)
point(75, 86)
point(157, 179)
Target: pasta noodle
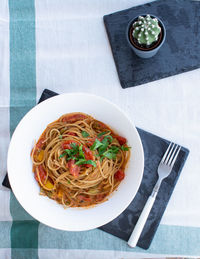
point(79, 161)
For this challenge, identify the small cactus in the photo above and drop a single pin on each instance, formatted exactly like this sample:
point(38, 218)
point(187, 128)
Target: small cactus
point(146, 30)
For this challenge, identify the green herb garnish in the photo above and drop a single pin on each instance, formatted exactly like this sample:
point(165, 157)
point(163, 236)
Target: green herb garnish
point(86, 162)
point(85, 134)
point(96, 144)
point(111, 153)
point(60, 137)
point(76, 153)
point(81, 154)
point(109, 138)
point(71, 152)
point(104, 146)
point(123, 148)
point(102, 133)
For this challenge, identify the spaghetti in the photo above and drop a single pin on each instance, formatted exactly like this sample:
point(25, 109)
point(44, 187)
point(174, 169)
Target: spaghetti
point(79, 161)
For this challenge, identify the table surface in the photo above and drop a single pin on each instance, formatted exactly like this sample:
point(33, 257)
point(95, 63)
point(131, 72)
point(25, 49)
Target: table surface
point(62, 45)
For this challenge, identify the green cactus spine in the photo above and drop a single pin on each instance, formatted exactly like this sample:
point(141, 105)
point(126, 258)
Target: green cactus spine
point(146, 30)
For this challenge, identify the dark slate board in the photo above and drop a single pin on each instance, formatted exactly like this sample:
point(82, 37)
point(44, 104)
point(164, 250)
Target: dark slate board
point(179, 53)
point(154, 148)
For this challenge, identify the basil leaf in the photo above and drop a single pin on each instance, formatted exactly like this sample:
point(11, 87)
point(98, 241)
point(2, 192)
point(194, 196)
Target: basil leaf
point(72, 152)
point(68, 151)
point(109, 137)
point(102, 133)
point(91, 162)
point(101, 159)
point(109, 154)
point(114, 149)
point(60, 137)
point(72, 158)
point(81, 154)
point(81, 161)
point(85, 134)
point(63, 154)
point(103, 148)
point(86, 162)
point(75, 148)
point(123, 148)
point(96, 144)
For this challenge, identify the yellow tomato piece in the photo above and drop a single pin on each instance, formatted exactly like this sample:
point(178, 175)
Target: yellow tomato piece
point(60, 193)
point(48, 185)
point(40, 155)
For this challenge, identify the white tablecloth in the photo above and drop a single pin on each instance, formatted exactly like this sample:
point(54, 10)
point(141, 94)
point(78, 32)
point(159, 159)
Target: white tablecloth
point(72, 54)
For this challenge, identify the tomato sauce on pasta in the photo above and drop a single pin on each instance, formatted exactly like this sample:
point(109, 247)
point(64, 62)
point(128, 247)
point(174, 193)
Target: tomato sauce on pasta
point(79, 161)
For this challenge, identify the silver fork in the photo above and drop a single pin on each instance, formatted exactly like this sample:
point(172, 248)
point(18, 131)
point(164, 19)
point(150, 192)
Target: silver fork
point(164, 169)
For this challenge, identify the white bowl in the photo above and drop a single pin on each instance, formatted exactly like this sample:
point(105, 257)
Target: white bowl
point(19, 164)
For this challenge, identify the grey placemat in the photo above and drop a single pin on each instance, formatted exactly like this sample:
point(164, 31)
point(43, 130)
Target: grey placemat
point(179, 53)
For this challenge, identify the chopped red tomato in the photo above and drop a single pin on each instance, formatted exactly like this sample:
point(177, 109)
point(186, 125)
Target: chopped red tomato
point(72, 133)
point(91, 141)
point(40, 143)
point(83, 198)
point(119, 175)
point(98, 125)
point(38, 146)
point(74, 117)
point(88, 155)
point(99, 197)
point(42, 174)
point(73, 168)
point(121, 140)
point(67, 144)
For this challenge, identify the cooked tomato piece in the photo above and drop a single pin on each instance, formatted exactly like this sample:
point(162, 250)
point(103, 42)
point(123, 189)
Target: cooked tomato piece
point(119, 175)
point(88, 153)
point(74, 117)
point(99, 197)
point(84, 198)
point(40, 143)
point(38, 147)
point(73, 168)
point(72, 133)
point(91, 141)
point(67, 144)
point(42, 174)
point(121, 140)
point(98, 125)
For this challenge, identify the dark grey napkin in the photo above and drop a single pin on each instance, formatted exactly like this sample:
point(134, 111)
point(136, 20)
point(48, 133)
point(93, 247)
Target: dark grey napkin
point(179, 53)
point(122, 227)
point(154, 148)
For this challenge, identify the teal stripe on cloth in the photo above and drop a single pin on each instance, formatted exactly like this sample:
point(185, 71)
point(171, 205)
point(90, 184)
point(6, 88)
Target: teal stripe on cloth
point(5, 227)
point(24, 234)
point(173, 240)
point(21, 253)
point(22, 59)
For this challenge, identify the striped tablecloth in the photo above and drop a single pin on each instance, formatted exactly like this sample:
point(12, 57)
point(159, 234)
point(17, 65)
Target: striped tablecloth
point(62, 45)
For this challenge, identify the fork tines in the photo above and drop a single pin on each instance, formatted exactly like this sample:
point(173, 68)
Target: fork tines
point(171, 154)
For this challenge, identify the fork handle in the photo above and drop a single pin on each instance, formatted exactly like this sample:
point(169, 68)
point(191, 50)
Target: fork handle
point(132, 242)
